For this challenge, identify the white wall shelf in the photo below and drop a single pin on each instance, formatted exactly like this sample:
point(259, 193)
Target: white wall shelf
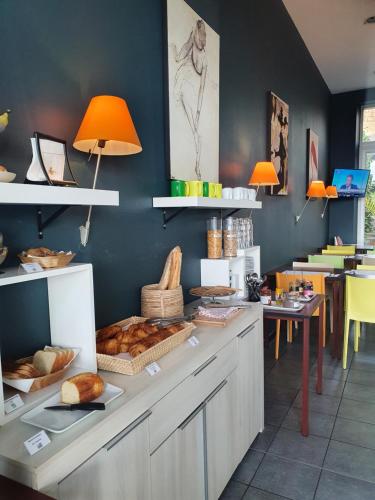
point(72, 323)
point(201, 202)
point(31, 194)
point(181, 203)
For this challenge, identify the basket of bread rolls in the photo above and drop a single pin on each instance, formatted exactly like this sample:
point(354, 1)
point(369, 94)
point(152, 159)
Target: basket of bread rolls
point(48, 259)
point(165, 299)
point(36, 372)
point(128, 346)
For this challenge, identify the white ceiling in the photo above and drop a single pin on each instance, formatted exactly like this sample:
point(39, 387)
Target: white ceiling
point(342, 46)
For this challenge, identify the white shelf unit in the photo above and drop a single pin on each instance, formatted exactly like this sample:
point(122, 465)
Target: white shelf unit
point(29, 194)
point(72, 323)
point(202, 202)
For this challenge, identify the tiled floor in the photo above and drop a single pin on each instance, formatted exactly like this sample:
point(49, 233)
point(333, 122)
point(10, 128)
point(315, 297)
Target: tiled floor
point(337, 460)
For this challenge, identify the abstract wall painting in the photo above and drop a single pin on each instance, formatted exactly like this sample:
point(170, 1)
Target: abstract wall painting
point(313, 156)
point(278, 142)
point(193, 84)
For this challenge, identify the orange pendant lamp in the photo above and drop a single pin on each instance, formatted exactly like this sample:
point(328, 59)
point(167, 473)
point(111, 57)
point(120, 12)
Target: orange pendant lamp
point(264, 174)
point(106, 129)
point(316, 190)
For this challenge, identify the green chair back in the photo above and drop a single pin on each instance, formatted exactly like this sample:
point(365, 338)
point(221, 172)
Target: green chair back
point(336, 261)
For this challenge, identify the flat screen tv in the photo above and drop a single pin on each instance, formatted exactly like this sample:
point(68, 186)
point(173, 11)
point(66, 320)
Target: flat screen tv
point(351, 183)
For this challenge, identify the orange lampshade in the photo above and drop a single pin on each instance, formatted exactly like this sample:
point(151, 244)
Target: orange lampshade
point(107, 118)
point(316, 190)
point(331, 192)
point(264, 174)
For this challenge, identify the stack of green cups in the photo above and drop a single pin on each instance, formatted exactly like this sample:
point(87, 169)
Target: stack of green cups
point(196, 188)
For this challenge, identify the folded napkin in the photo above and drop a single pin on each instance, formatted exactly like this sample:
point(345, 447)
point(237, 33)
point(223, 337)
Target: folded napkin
point(220, 313)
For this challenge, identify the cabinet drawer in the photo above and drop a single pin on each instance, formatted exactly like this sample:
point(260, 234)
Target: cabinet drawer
point(176, 406)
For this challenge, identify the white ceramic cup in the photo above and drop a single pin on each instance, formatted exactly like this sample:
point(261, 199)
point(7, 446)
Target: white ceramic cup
point(227, 193)
point(252, 194)
point(238, 193)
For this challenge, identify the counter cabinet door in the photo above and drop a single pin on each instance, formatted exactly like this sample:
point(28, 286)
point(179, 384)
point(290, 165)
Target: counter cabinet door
point(177, 465)
point(221, 429)
point(119, 471)
point(250, 385)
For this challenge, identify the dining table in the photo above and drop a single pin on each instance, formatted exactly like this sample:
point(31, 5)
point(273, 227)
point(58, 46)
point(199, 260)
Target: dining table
point(334, 279)
point(304, 315)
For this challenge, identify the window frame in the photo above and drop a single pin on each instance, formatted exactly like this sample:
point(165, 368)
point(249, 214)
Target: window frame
point(364, 148)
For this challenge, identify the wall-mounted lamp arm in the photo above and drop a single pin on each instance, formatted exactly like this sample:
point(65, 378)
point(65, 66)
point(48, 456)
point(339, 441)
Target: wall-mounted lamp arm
point(325, 208)
point(298, 217)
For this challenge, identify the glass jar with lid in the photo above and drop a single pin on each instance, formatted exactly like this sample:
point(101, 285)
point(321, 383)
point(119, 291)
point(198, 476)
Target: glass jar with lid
point(214, 238)
point(230, 237)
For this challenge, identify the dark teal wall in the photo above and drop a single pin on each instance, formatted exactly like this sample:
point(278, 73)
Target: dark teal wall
point(56, 55)
point(345, 115)
point(262, 51)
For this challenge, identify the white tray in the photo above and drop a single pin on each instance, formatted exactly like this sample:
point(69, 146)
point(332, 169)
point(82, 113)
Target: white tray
point(281, 308)
point(60, 421)
point(307, 299)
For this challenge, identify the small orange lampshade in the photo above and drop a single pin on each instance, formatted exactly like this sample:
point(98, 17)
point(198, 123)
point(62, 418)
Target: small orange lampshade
point(316, 190)
point(331, 192)
point(264, 174)
point(107, 118)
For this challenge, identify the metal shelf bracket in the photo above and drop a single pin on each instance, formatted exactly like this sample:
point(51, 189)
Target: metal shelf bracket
point(168, 218)
point(43, 224)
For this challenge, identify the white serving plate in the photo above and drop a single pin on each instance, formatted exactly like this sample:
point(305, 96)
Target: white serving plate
point(7, 177)
point(60, 421)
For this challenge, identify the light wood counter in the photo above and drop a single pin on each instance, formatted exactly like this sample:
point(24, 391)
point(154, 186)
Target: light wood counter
point(69, 450)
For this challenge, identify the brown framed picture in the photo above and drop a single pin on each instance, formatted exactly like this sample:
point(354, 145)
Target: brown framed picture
point(312, 156)
point(278, 120)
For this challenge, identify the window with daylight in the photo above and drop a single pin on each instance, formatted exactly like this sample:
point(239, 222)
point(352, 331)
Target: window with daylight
point(366, 206)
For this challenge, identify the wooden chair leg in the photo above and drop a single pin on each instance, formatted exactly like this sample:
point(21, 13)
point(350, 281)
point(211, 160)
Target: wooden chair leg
point(331, 315)
point(324, 323)
point(345, 342)
point(277, 340)
point(357, 334)
point(290, 332)
point(296, 325)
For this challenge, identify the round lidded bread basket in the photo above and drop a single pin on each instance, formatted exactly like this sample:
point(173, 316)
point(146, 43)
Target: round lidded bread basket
point(157, 303)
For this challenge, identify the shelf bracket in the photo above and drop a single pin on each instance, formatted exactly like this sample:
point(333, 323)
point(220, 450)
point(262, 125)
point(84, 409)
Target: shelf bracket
point(232, 213)
point(43, 224)
point(167, 218)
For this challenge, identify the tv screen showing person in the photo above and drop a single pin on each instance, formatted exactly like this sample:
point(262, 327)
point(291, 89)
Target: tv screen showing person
point(350, 182)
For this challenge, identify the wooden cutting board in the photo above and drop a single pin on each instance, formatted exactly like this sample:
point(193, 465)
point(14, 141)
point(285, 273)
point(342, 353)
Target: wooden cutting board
point(203, 320)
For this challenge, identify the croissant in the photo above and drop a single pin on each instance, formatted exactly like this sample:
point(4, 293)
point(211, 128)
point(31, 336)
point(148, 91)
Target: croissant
point(108, 332)
point(110, 346)
point(137, 349)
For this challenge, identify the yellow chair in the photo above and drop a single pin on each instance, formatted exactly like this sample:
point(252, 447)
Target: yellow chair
point(365, 267)
point(282, 281)
point(359, 307)
point(339, 250)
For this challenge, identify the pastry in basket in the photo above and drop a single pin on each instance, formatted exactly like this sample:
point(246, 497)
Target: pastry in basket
point(108, 332)
point(109, 346)
point(40, 252)
point(82, 388)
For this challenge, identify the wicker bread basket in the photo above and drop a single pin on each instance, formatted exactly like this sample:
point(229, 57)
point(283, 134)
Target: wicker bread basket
point(49, 262)
point(157, 303)
point(137, 364)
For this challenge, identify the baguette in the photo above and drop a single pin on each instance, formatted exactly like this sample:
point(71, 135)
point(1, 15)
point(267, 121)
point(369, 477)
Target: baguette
point(82, 388)
point(174, 277)
point(163, 283)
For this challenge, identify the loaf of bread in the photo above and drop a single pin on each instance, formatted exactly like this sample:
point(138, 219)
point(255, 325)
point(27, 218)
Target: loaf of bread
point(52, 359)
point(82, 388)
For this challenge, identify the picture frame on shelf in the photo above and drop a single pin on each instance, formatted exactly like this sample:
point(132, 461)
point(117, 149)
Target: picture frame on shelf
point(50, 162)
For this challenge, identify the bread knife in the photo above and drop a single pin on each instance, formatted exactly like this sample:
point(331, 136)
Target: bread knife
point(78, 406)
